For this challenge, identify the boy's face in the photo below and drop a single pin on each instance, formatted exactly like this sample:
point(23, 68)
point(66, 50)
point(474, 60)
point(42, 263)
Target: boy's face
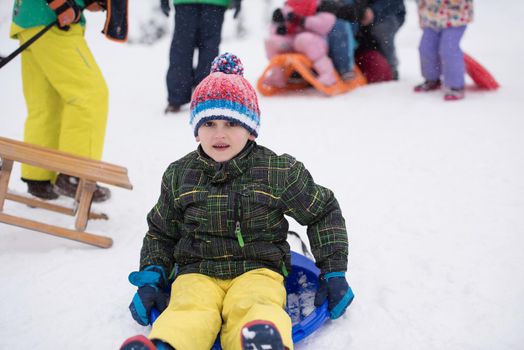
point(222, 140)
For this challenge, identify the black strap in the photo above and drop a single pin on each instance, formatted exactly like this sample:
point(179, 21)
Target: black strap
point(26, 44)
point(62, 8)
point(302, 244)
point(115, 27)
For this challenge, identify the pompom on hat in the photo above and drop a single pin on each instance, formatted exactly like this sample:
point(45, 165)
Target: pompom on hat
point(225, 95)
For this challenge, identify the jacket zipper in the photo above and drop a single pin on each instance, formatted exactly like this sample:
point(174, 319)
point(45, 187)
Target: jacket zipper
point(284, 269)
point(238, 230)
point(238, 233)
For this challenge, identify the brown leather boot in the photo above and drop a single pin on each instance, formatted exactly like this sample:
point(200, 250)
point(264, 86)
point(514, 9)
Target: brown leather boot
point(67, 185)
point(41, 189)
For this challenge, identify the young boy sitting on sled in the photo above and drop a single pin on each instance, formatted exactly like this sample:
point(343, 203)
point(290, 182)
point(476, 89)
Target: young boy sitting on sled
point(219, 223)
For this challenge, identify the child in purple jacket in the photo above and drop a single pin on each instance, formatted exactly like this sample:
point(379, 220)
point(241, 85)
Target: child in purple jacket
point(443, 24)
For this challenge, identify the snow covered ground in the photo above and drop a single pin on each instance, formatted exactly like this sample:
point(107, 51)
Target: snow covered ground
point(433, 193)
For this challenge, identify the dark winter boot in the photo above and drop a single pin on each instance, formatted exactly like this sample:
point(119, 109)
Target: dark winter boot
point(67, 185)
point(138, 342)
point(428, 85)
point(261, 335)
point(41, 189)
point(452, 94)
point(296, 78)
point(172, 109)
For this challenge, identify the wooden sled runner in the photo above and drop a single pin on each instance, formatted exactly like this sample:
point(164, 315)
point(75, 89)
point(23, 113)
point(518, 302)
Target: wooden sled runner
point(294, 62)
point(88, 171)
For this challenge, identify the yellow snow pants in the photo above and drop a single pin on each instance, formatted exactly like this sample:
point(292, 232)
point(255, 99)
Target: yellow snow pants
point(66, 96)
point(201, 306)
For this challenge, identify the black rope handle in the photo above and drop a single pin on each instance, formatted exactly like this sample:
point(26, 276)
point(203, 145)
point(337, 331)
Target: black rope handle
point(302, 244)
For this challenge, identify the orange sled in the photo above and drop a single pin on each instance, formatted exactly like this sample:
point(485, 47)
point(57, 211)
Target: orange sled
point(294, 62)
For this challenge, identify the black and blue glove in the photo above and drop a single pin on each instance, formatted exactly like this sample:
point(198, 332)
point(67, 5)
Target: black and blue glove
point(151, 283)
point(334, 287)
point(164, 6)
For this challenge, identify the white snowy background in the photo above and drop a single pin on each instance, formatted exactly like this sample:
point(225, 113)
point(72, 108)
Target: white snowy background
point(433, 193)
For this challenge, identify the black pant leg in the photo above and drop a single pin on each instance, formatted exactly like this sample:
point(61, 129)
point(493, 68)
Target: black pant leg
point(209, 37)
point(179, 77)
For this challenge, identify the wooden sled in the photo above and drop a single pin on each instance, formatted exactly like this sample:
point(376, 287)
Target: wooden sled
point(294, 62)
point(480, 75)
point(88, 171)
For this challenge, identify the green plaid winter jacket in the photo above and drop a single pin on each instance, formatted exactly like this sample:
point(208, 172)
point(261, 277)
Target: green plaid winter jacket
point(223, 219)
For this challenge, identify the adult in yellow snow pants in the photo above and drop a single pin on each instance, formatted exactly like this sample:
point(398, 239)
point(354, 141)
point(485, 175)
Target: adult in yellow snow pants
point(66, 96)
point(201, 306)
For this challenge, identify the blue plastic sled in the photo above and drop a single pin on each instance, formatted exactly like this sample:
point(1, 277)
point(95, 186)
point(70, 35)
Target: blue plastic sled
point(301, 285)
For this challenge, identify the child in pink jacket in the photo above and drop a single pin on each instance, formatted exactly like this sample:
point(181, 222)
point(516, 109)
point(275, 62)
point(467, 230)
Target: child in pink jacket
point(297, 27)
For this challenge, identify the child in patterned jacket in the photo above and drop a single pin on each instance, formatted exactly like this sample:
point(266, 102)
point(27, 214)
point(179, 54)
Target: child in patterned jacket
point(443, 23)
point(219, 223)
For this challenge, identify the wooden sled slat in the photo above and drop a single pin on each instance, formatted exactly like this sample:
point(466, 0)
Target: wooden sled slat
point(84, 237)
point(88, 171)
point(37, 203)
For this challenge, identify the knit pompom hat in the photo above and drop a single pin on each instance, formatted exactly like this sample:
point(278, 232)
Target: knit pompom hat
point(225, 95)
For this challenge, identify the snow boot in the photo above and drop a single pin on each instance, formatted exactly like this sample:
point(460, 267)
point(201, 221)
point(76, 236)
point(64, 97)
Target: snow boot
point(138, 342)
point(258, 335)
point(428, 85)
point(41, 189)
point(172, 109)
point(348, 76)
point(453, 94)
point(325, 70)
point(296, 79)
point(276, 78)
point(67, 186)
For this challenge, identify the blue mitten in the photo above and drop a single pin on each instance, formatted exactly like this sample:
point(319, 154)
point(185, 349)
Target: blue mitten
point(335, 288)
point(151, 283)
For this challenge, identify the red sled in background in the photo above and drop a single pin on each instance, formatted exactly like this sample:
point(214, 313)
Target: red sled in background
point(480, 75)
point(376, 69)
